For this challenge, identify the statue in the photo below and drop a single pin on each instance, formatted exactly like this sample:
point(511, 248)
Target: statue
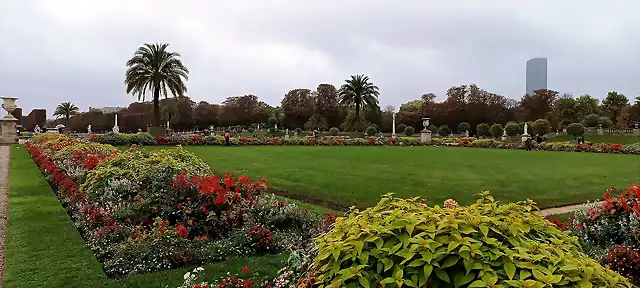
point(89, 129)
point(466, 133)
point(168, 125)
point(287, 131)
point(115, 129)
point(275, 127)
point(37, 130)
point(525, 129)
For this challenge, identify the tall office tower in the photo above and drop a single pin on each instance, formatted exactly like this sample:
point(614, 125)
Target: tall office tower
point(536, 74)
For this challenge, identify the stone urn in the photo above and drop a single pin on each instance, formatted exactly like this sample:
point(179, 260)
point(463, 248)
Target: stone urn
point(9, 104)
point(8, 133)
point(425, 134)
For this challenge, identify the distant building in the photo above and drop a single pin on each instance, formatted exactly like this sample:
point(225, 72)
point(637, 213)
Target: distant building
point(536, 74)
point(106, 109)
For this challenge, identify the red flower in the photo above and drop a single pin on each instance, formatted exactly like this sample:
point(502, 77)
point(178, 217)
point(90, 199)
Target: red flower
point(164, 223)
point(182, 231)
point(245, 269)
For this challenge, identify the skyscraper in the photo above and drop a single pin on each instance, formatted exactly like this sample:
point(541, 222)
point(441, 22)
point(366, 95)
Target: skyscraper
point(536, 74)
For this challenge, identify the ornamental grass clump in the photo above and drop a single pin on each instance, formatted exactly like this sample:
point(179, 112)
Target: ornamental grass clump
point(405, 243)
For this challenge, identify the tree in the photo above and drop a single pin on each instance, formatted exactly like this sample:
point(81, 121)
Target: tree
point(614, 104)
point(541, 127)
point(483, 130)
point(512, 128)
point(538, 105)
point(496, 130)
point(575, 129)
point(326, 104)
point(358, 91)
point(298, 106)
point(205, 114)
point(587, 105)
point(464, 126)
point(155, 69)
point(565, 109)
point(66, 109)
point(591, 120)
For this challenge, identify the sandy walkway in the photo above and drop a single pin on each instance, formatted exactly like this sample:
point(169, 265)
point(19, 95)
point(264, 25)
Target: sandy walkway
point(562, 210)
point(4, 186)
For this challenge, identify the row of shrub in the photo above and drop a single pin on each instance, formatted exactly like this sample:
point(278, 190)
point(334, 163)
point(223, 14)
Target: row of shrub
point(146, 139)
point(142, 211)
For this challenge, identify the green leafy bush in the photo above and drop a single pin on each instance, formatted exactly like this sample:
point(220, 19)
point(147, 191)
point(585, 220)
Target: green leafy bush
point(401, 127)
point(405, 243)
point(299, 130)
point(483, 130)
point(605, 122)
point(433, 129)
point(409, 131)
point(591, 120)
point(334, 131)
point(496, 130)
point(512, 128)
point(575, 129)
point(464, 126)
point(444, 131)
point(371, 130)
point(541, 127)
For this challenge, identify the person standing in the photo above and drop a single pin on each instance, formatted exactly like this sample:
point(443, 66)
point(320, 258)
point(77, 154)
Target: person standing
point(227, 138)
point(527, 144)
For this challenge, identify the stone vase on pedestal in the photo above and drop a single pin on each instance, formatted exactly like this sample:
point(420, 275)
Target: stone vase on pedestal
point(600, 131)
point(8, 133)
point(525, 135)
point(425, 134)
point(636, 130)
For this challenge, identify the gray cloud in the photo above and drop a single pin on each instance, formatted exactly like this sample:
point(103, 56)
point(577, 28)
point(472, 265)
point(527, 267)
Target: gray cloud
point(54, 51)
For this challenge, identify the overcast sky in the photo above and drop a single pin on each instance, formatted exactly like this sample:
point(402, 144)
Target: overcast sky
point(55, 51)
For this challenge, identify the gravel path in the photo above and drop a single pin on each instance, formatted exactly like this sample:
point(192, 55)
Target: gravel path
point(563, 209)
point(4, 186)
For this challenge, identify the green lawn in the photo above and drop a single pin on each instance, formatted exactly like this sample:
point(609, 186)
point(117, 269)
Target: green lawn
point(44, 249)
point(617, 139)
point(345, 176)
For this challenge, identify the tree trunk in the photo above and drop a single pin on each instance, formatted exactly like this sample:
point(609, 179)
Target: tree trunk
point(156, 106)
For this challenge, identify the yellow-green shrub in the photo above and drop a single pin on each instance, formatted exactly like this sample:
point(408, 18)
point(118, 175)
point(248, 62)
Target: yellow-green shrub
point(147, 168)
point(85, 148)
point(485, 143)
point(405, 243)
point(42, 138)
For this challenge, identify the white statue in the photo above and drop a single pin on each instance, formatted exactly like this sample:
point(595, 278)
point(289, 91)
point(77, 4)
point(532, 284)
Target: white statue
point(116, 129)
point(89, 129)
point(275, 127)
point(37, 130)
point(525, 129)
point(258, 127)
point(287, 131)
point(168, 125)
point(466, 133)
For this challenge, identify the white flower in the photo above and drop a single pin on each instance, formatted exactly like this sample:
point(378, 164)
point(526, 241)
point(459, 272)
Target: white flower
point(187, 275)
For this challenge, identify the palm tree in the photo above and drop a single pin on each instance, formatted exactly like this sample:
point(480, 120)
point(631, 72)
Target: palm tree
point(359, 91)
point(66, 109)
point(155, 69)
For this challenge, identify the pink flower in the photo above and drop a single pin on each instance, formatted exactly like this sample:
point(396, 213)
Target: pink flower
point(450, 203)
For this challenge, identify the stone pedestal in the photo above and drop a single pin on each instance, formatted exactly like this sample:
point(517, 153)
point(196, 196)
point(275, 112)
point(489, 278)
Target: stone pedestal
point(425, 136)
point(525, 137)
point(8, 135)
point(600, 131)
point(636, 132)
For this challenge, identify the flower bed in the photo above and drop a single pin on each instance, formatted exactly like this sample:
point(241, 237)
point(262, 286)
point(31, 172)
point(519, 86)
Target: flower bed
point(146, 139)
point(141, 211)
point(610, 231)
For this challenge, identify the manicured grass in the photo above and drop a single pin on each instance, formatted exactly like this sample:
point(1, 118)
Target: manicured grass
point(44, 249)
point(614, 139)
point(347, 176)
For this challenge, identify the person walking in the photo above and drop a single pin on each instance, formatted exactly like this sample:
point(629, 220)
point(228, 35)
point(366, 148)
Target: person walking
point(527, 144)
point(227, 138)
